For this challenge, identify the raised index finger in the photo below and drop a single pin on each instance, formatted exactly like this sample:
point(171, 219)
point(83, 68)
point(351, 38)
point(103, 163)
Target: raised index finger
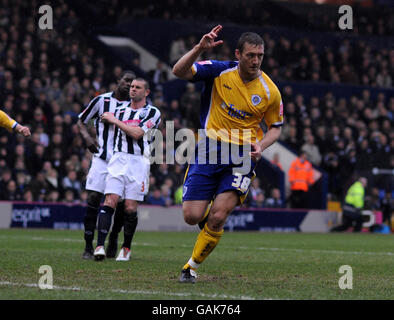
point(217, 29)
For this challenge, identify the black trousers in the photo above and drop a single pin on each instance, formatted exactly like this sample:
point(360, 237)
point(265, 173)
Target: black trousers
point(299, 199)
point(351, 216)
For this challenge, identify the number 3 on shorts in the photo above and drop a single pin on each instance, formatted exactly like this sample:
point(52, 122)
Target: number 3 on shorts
point(241, 182)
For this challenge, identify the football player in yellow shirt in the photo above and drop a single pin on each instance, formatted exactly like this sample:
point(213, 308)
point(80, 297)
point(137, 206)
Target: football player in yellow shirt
point(11, 125)
point(236, 98)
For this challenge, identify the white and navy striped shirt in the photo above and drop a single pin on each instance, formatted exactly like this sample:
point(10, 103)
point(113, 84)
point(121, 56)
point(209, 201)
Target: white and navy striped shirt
point(104, 131)
point(146, 118)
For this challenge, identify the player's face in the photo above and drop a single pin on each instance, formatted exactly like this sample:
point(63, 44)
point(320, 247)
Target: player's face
point(138, 91)
point(250, 58)
point(125, 82)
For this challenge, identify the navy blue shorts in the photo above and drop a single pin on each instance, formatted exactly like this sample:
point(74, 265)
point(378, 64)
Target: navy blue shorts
point(206, 181)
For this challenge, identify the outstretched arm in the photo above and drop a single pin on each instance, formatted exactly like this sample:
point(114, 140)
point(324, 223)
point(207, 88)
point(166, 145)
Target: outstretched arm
point(182, 69)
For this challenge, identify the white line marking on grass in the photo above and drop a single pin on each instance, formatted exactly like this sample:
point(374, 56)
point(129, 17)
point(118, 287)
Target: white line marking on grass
point(147, 244)
point(324, 251)
point(174, 294)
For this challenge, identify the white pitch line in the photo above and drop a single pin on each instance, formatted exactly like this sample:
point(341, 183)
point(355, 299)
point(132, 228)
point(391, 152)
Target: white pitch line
point(122, 291)
point(147, 244)
point(324, 251)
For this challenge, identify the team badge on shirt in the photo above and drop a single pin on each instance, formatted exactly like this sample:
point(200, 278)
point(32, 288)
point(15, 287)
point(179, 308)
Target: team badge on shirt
point(256, 99)
point(142, 114)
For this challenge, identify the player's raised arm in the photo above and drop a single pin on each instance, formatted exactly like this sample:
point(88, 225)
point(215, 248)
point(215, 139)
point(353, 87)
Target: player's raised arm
point(182, 69)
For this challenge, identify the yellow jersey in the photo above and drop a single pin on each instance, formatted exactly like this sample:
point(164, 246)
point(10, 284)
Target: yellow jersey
point(7, 122)
point(232, 110)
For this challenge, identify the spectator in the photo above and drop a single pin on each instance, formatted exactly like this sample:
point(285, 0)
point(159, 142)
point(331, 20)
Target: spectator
point(53, 196)
point(36, 161)
point(331, 166)
point(311, 150)
point(11, 192)
point(190, 102)
point(39, 186)
point(178, 49)
point(84, 197)
point(387, 207)
point(275, 161)
point(70, 182)
point(21, 181)
point(258, 202)
point(166, 195)
point(321, 140)
point(155, 197)
point(275, 200)
point(158, 75)
point(353, 204)
point(52, 179)
point(255, 189)
point(28, 195)
point(69, 196)
point(383, 79)
point(301, 178)
point(292, 141)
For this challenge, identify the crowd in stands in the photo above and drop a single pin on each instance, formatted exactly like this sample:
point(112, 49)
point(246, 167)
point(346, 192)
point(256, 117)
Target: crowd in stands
point(48, 76)
point(341, 136)
point(372, 20)
point(301, 60)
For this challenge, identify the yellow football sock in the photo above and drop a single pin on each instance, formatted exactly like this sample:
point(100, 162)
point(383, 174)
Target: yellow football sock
point(207, 240)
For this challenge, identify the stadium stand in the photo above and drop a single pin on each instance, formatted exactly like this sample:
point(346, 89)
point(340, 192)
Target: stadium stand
point(337, 87)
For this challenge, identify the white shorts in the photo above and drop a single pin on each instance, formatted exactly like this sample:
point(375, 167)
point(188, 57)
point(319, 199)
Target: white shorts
point(128, 176)
point(97, 175)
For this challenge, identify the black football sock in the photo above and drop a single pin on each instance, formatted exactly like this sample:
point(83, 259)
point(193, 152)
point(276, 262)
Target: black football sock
point(104, 224)
point(90, 222)
point(130, 224)
point(118, 221)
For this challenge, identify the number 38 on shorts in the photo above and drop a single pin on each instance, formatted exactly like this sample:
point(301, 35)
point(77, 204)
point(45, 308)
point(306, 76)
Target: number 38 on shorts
point(241, 182)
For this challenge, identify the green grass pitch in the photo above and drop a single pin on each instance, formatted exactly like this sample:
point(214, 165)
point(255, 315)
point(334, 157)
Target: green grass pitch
point(252, 266)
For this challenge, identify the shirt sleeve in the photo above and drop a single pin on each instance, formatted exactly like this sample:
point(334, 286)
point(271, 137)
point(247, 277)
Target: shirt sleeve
point(151, 121)
point(91, 111)
point(208, 69)
point(7, 122)
point(274, 114)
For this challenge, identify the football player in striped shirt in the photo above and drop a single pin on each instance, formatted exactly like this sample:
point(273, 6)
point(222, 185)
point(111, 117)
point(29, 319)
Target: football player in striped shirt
point(11, 125)
point(236, 99)
point(102, 150)
point(129, 167)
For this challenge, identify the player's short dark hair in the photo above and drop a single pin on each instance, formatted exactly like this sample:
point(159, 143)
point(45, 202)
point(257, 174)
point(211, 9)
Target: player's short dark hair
point(127, 72)
point(251, 38)
point(146, 83)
